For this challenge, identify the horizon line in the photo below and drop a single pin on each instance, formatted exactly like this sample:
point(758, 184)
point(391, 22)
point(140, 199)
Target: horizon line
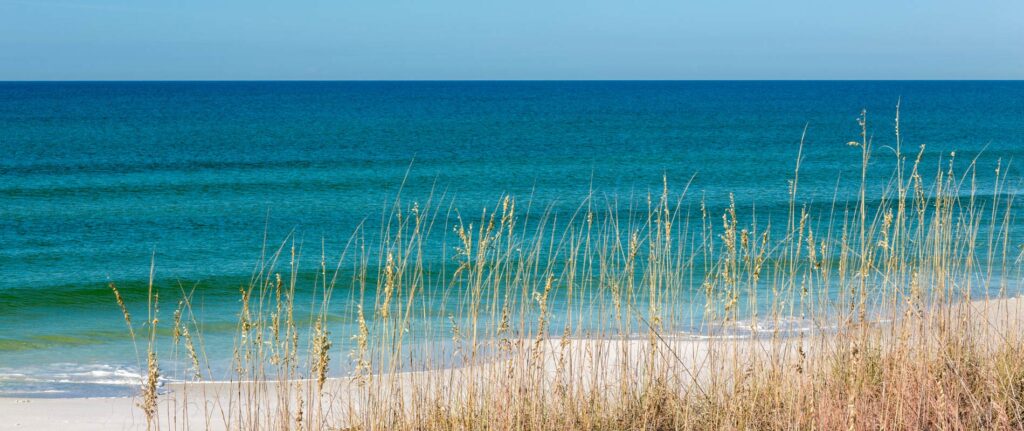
point(519, 80)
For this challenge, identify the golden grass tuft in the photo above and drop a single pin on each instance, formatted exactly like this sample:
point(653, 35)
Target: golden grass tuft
point(585, 322)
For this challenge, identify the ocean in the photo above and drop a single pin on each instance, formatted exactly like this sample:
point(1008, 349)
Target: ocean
point(99, 179)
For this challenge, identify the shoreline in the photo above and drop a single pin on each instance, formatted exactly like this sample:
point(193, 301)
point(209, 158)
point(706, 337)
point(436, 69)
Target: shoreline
point(198, 400)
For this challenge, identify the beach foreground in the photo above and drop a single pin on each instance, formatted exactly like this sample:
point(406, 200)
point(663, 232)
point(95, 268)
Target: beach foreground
point(599, 364)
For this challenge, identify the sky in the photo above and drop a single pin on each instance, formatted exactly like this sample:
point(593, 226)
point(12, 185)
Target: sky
point(519, 39)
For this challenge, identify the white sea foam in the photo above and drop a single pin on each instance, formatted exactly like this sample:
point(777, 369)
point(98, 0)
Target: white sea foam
point(67, 379)
point(750, 328)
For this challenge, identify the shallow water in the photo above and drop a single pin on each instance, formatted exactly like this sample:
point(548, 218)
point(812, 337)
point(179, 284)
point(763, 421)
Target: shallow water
point(97, 179)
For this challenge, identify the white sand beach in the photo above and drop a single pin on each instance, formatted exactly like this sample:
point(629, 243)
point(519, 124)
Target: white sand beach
point(211, 405)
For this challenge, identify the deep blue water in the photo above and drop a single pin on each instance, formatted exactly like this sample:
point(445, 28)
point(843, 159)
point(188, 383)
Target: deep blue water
point(97, 178)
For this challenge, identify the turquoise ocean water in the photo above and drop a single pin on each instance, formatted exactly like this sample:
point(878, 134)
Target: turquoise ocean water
point(97, 179)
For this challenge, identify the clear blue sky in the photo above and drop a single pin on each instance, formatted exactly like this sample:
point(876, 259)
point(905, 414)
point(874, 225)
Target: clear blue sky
point(517, 39)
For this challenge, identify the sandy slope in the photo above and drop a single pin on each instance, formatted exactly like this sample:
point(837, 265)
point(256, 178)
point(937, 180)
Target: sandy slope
point(203, 404)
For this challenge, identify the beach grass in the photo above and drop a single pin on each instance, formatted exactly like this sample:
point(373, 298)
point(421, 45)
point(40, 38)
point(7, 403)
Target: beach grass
point(890, 309)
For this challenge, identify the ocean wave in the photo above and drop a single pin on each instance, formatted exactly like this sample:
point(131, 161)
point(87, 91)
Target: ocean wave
point(752, 328)
point(72, 380)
